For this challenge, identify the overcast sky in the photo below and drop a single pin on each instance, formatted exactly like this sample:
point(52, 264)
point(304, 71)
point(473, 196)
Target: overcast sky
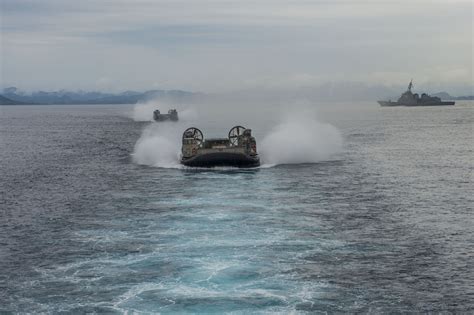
point(226, 45)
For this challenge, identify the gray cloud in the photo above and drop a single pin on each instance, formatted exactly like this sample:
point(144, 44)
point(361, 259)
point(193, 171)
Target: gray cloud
point(227, 45)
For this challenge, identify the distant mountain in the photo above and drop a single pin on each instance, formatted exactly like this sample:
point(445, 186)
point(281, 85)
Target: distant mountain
point(326, 92)
point(465, 98)
point(82, 97)
point(330, 91)
point(443, 95)
point(6, 101)
point(447, 96)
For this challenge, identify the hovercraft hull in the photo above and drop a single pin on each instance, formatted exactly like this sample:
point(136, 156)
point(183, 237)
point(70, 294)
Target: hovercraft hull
point(214, 159)
point(165, 117)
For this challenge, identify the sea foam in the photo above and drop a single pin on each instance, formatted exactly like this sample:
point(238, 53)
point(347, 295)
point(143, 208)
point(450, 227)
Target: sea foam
point(300, 138)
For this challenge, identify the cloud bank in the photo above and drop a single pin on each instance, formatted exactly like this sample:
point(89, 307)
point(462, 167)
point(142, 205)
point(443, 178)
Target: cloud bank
point(231, 45)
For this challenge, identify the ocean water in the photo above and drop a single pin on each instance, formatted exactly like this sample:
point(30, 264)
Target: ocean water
point(358, 208)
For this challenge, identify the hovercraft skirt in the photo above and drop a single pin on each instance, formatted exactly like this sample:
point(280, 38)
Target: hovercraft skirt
point(222, 159)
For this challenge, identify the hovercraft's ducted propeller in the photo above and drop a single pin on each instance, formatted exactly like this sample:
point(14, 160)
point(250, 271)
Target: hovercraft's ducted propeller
point(234, 134)
point(193, 133)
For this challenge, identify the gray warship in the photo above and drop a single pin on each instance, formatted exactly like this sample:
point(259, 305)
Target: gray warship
point(172, 115)
point(239, 149)
point(408, 98)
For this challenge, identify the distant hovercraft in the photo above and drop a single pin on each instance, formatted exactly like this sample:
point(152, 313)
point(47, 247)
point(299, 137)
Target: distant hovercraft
point(172, 115)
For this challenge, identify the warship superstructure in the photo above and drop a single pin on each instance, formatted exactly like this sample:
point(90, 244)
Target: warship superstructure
point(408, 98)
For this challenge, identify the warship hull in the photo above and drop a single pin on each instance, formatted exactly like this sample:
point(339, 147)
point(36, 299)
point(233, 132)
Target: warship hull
point(388, 104)
point(213, 159)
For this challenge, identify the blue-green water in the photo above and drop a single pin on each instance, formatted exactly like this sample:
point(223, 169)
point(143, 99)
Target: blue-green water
point(383, 224)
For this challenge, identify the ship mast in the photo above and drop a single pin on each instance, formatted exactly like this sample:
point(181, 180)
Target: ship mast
point(410, 85)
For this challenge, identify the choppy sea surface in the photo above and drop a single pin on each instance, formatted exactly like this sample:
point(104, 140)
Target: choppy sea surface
point(382, 222)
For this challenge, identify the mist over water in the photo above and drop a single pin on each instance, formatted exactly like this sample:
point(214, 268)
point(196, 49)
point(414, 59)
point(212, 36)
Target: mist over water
point(300, 138)
point(144, 111)
point(292, 138)
point(160, 143)
point(159, 146)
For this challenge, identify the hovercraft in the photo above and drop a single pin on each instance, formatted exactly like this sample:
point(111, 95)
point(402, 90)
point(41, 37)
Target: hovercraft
point(239, 149)
point(172, 115)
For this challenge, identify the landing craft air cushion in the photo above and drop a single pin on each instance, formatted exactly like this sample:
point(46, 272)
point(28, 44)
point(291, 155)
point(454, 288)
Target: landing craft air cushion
point(239, 149)
point(172, 115)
